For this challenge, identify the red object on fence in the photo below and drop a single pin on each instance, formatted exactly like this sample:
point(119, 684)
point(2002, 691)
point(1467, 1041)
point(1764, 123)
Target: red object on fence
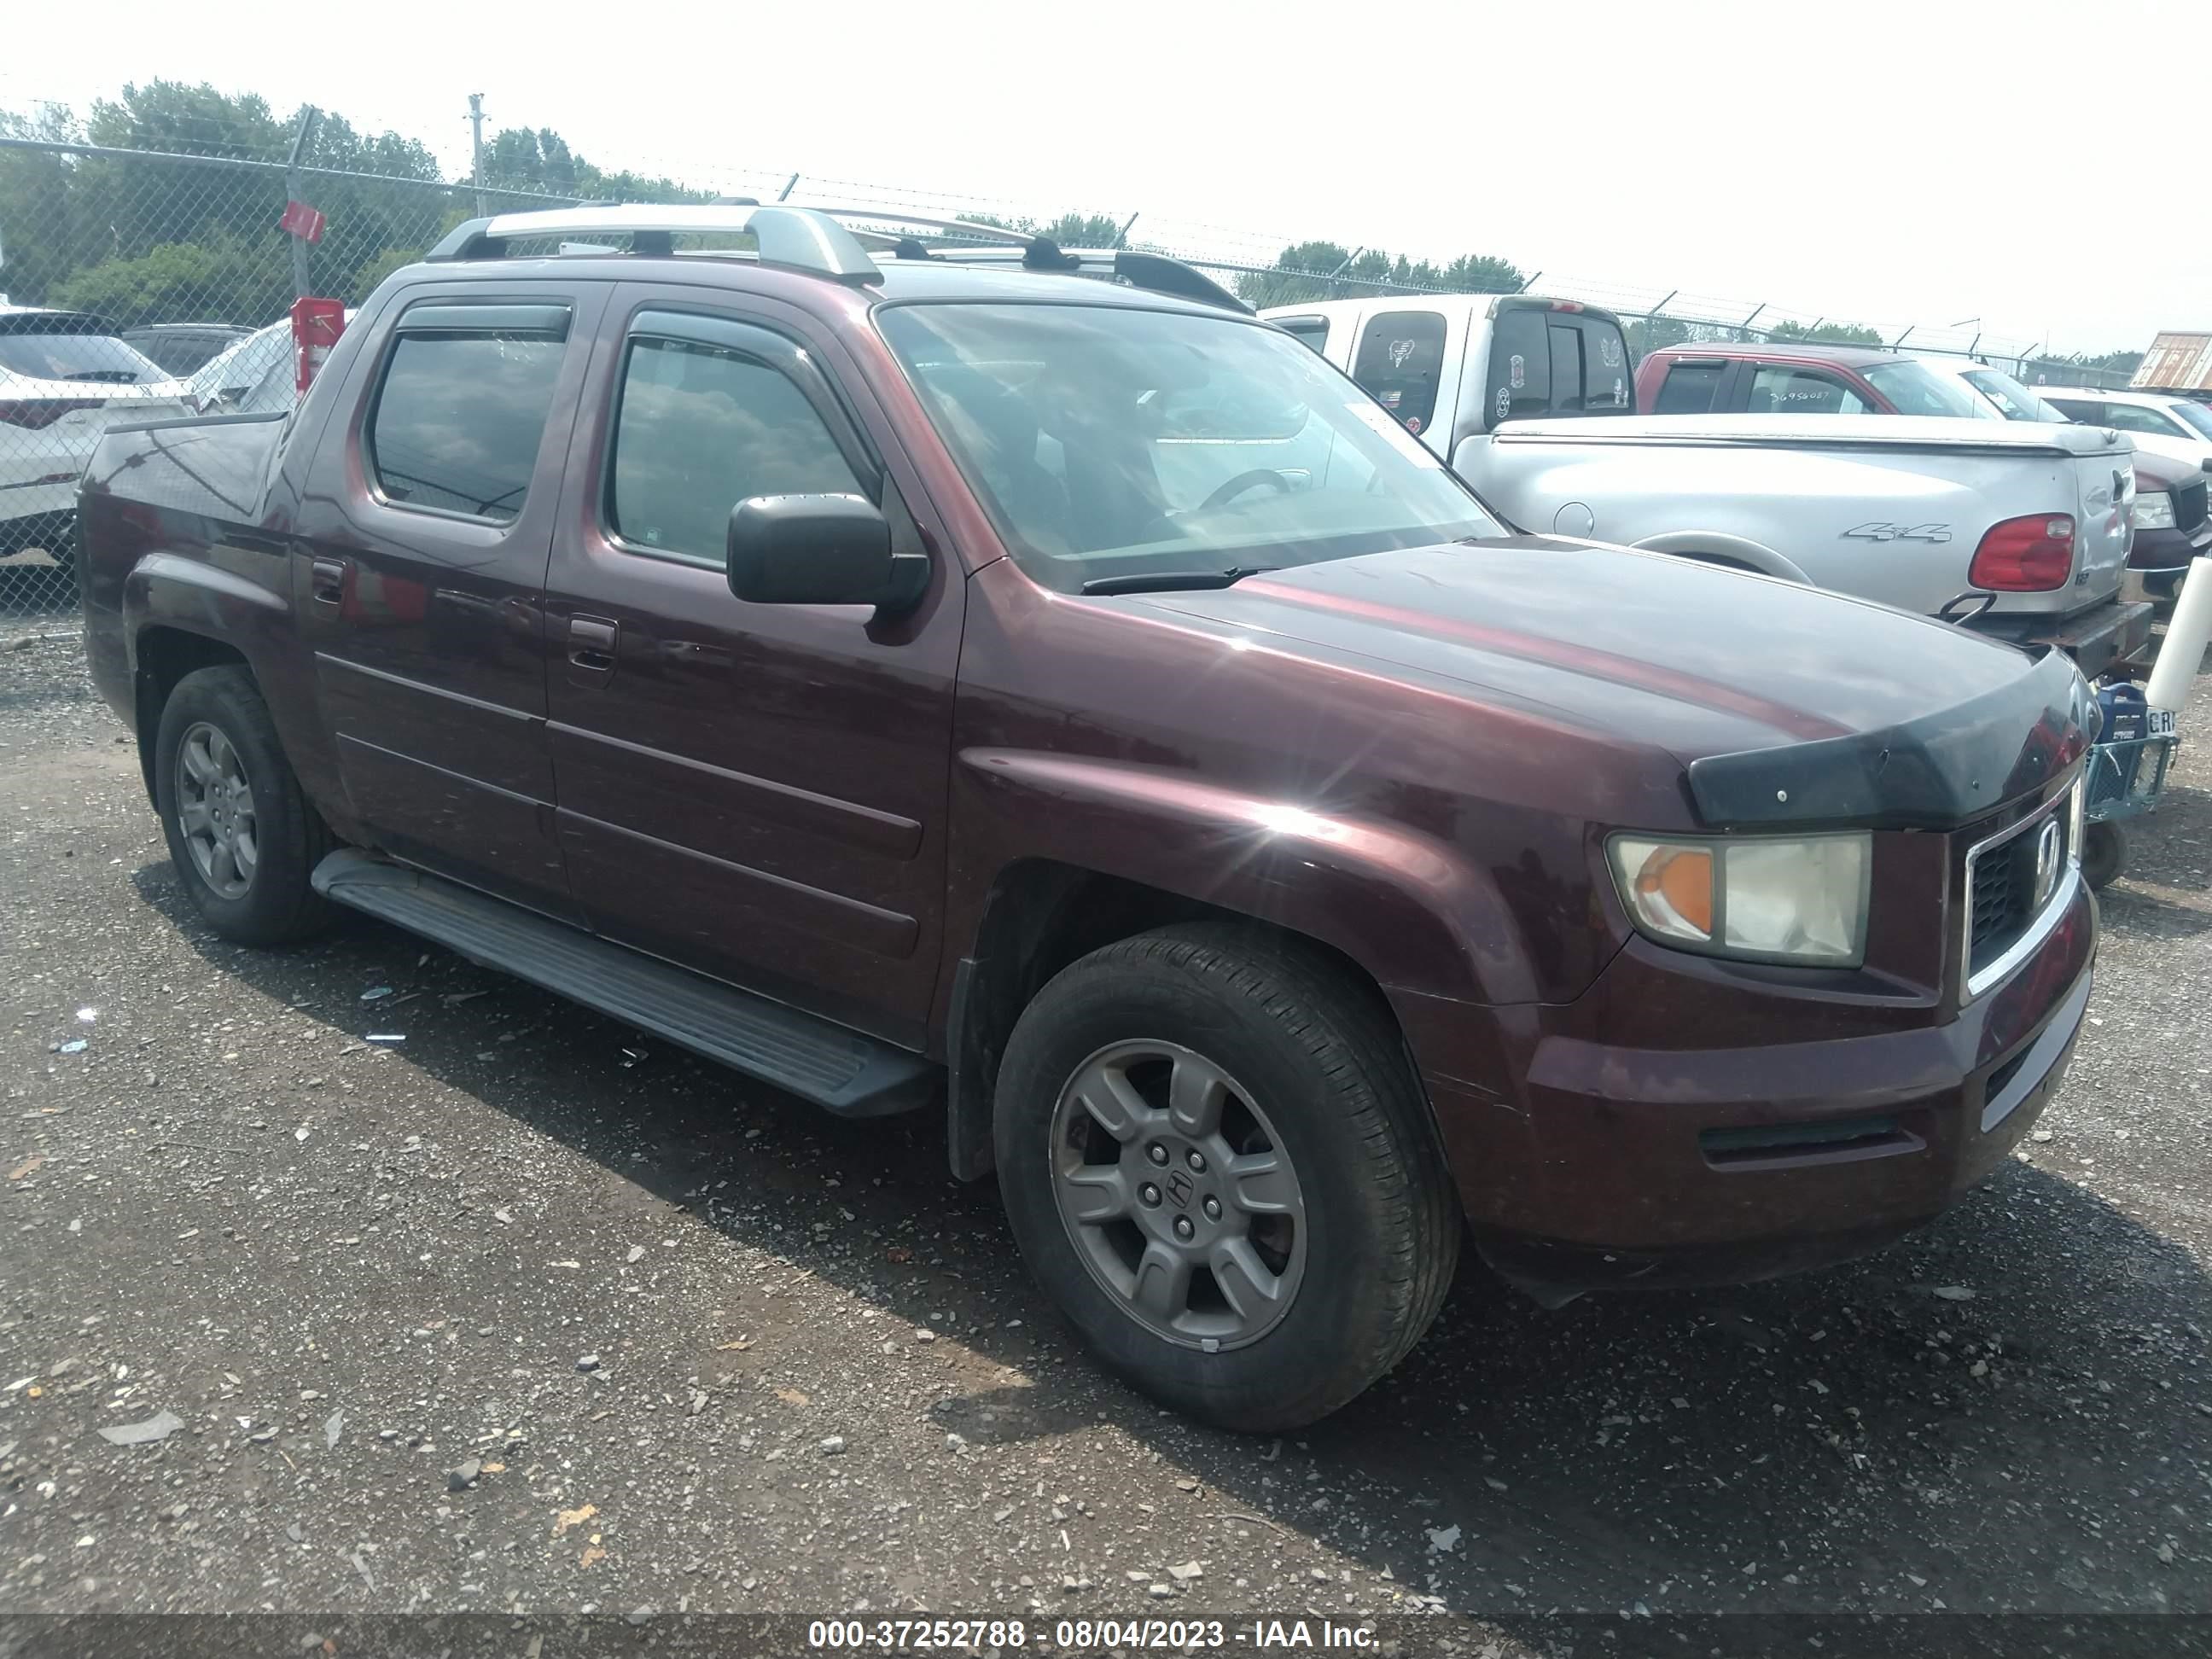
point(302, 220)
point(316, 325)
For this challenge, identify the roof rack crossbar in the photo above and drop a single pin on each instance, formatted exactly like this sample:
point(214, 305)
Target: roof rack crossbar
point(817, 237)
point(1156, 273)
point(802, 239)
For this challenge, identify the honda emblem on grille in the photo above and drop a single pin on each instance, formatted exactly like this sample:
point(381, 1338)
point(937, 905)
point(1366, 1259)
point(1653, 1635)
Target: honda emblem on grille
point(2050, 853)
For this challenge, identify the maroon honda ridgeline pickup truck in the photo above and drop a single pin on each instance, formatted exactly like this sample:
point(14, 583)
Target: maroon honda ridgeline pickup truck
point(944, 676)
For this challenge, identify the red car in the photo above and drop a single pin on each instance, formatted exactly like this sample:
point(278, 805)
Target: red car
point(928, 682)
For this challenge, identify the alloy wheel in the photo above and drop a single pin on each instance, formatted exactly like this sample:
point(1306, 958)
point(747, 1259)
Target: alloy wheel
point(1179, 1195)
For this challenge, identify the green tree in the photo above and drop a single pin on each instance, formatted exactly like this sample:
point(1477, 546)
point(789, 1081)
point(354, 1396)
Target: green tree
point(45, 232)
point(178, 282)
point(1307, 272)
point(540, 161)
point(1649, 334)
point(170, 241)
point(1484, 273)
point(1082, 230)
point(2105, 368)
point(1823, 333)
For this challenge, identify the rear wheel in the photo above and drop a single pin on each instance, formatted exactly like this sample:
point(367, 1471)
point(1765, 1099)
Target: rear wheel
point(241, 835)
point(1218, 1163)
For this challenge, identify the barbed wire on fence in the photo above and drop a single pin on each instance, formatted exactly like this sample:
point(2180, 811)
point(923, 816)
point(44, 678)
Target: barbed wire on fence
point(164, 222)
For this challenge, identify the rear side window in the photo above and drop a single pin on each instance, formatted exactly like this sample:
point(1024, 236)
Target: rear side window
point(1776, 389)
point(1689, 388)
point(2077, 408)
point(1567, 368)
point(700, 429)
point(2193, 414)
point(1309, 331)
point(2134, 417)
point(1607, 385)
point(1519, 385)
point(458, 418)
point(1401, 360)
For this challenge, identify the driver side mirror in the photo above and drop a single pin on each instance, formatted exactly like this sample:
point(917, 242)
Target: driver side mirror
point(820, 549)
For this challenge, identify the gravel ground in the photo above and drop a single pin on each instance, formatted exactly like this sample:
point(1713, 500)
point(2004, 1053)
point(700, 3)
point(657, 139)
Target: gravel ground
point(527, 1314)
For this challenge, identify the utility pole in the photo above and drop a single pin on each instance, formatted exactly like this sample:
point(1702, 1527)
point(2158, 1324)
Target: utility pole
point(476, 149)
point(294, 191)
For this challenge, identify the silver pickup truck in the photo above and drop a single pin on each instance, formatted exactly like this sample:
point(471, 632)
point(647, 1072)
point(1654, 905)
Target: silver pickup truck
point(2023, 529)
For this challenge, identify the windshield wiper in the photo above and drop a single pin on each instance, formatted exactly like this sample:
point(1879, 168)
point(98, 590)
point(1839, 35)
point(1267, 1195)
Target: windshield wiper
point(1175, 581)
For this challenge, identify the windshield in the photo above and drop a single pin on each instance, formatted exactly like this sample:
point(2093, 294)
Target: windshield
point(1916, 389)
point(76, 357)
point(2191, 414)
point(238, 373)
point(2013, 401)
point(1111, 442)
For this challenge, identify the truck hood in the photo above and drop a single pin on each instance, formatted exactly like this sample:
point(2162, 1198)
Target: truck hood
point(1827, 431)
point(2162, 463)
point(1784, 704)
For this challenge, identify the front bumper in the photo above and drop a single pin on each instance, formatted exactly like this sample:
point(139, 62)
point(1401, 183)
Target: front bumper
point(1689, 1166)
point(2160, 559)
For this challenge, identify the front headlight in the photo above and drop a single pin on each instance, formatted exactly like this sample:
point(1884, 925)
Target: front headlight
point(1757, 897)
point(2154, 510)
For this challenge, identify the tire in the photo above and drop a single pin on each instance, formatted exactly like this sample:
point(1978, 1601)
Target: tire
point(2104, 854)
point(1302, 1063)
point(218, 714)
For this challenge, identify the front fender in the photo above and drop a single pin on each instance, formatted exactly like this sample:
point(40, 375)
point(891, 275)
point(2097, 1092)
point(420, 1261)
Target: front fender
point(1407, 908)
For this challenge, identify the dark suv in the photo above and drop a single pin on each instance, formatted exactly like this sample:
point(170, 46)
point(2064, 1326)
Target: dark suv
point(929, 680)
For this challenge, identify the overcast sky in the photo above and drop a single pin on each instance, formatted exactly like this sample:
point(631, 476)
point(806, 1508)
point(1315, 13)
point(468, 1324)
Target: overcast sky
point(1930, 164)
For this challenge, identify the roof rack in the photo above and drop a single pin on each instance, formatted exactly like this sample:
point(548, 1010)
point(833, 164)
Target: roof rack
point(803, 239)
point(828, 239)
point(1153, 271)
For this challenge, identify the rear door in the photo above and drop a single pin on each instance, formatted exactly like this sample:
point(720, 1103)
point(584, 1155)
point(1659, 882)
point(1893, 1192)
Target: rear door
point(1695, 385)
point(1796, 389)
point(427, 522)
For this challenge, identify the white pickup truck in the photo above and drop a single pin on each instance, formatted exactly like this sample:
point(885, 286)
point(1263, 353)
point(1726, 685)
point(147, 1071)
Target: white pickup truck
point(2021, 528)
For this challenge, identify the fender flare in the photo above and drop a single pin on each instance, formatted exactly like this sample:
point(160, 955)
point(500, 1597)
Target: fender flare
point(1718, 545)
point(1414, 912)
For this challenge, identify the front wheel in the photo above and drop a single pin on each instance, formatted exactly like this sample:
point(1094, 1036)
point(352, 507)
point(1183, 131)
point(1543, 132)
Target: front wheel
point(2104, 854)
point(1218, 1164)
point(241, 835)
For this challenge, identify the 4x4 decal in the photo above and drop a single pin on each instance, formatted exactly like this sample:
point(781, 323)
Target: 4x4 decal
point(1880, 529)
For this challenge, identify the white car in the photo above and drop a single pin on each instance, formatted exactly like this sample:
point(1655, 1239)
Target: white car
point(65, 377)
point(2182, 425)
point(257, 376)
point(254, 377)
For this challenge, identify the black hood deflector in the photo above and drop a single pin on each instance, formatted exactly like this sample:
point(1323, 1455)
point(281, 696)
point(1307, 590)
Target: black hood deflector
point(1935, 773)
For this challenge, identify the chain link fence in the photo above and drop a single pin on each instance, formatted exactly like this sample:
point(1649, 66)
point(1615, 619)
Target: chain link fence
point(175, 278)
point(179, 243)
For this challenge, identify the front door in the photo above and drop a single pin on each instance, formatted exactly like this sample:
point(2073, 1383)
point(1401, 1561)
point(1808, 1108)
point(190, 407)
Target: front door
point(425, 528)
point(756, 791)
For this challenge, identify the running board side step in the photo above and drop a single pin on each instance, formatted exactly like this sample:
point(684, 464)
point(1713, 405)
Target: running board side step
point(839, 1070)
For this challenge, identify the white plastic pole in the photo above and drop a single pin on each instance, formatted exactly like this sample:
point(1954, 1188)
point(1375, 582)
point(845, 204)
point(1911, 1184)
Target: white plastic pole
point(2187, 636)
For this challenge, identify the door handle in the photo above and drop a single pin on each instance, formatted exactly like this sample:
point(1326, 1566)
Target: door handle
point(328, 585)
point(593, 649)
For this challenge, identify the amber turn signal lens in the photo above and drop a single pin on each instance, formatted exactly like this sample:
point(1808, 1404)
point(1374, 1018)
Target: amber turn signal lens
point(1682, 879)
